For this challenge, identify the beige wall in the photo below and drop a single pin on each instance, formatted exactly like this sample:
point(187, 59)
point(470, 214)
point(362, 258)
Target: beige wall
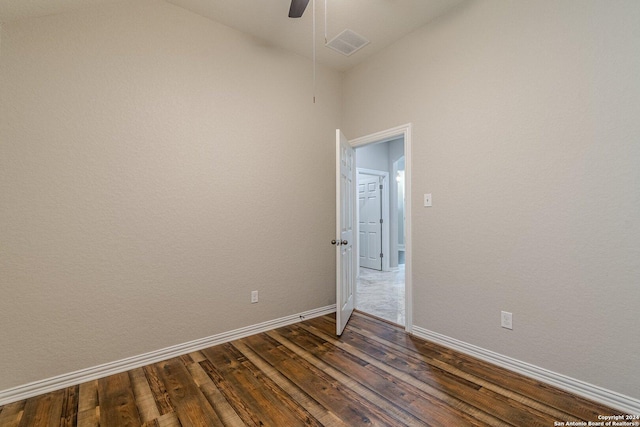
point(526, 131)
point(152, 167)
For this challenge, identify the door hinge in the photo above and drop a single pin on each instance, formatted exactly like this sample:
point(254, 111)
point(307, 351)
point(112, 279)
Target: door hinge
point(381, 186)
point(381, 255)
point(380, 220)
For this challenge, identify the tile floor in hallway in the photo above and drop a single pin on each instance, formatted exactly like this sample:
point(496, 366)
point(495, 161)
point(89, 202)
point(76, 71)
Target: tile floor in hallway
point(381, 294)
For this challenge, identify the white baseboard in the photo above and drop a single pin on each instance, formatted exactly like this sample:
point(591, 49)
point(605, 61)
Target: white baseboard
point(78, 377)
point(627, 404)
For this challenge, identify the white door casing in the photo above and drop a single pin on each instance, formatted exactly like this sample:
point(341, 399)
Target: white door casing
point(405, 132)
point(369, 221)
point(345, 231)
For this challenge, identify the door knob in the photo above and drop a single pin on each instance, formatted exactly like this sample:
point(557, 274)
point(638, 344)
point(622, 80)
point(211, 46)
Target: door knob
point(335, 242)
point(344, 242)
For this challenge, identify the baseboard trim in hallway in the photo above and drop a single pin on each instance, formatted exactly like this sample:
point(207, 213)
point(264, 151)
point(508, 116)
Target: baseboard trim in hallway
point(73, 378)
point(627, 404)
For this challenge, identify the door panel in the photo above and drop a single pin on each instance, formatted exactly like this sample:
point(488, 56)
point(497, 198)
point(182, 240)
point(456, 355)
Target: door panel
point(345, 230)
point(370, 228)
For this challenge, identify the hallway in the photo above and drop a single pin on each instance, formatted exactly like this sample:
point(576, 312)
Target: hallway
point(381, 294)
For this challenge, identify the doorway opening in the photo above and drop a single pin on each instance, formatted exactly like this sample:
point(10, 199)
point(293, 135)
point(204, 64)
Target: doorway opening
point(383, 270)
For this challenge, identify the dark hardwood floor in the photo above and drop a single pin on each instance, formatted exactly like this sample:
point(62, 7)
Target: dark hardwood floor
point(302, 375)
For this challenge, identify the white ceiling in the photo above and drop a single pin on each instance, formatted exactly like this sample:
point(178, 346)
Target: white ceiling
point(381, 21)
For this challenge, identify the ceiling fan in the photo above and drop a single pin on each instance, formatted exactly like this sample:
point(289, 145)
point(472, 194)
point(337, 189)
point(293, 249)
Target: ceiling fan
point(297, 8)
point(295, 11)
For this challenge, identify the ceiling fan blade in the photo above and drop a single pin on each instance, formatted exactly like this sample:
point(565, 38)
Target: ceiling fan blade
point(297, 8)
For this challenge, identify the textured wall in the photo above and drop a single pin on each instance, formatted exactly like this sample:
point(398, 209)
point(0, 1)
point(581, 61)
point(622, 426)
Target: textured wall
point(155, 167)
point(526, 131)
point(375, 156)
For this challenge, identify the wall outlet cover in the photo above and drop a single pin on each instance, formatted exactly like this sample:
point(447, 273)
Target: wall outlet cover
point(506, 320)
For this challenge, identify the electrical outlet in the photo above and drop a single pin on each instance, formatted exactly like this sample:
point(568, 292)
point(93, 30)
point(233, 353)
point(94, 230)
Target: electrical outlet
point(254, 297)
point(506, 320)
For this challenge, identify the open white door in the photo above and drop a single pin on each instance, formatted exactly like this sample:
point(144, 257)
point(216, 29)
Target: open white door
point(345, 231)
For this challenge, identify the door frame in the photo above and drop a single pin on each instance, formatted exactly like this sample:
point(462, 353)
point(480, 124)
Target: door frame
point(394, 172)
point(385, 245)
point(403, 131)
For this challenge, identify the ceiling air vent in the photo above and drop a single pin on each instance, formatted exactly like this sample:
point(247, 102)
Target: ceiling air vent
point(347, 42)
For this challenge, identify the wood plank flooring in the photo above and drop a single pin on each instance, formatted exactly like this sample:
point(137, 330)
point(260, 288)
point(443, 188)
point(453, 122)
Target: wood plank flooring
point(303, 375)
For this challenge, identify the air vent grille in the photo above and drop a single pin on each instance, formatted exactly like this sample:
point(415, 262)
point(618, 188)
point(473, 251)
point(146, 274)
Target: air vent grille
point(347, 42)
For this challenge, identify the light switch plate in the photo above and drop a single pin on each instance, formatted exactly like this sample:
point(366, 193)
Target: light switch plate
point(427, 200)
